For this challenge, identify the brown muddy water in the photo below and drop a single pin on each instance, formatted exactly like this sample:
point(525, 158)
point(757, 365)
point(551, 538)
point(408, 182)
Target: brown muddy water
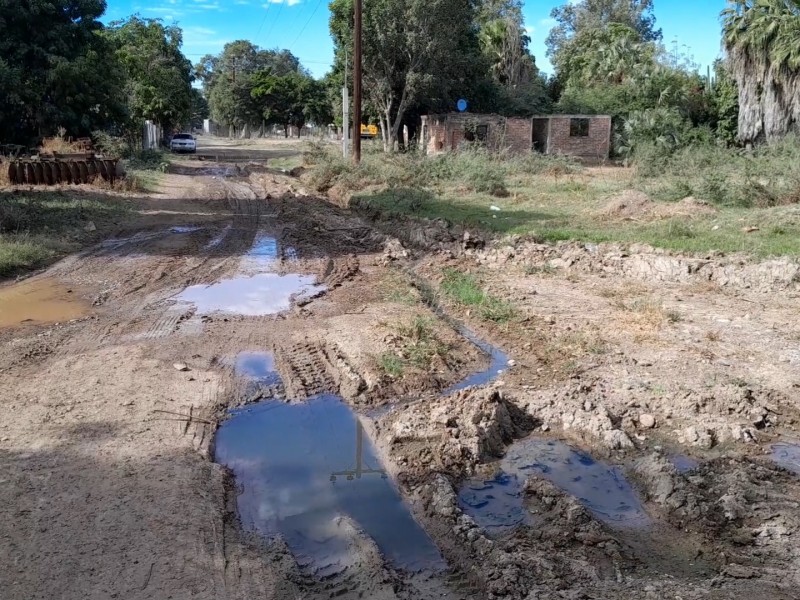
point(42, 300)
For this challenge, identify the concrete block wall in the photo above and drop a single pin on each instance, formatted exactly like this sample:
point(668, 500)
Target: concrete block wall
point(596, 145)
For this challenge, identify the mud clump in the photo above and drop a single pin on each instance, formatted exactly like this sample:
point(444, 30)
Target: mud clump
point(633, 205)
point(454, 433)
point(645, 263)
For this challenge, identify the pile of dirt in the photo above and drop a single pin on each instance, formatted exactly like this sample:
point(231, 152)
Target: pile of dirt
point(633, 205)
point(645, 263)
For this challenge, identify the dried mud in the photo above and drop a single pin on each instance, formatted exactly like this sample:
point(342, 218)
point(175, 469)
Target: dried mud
point(679, 373)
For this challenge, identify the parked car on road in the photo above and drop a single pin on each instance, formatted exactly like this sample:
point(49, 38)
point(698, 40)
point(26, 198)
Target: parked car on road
point(183, 142)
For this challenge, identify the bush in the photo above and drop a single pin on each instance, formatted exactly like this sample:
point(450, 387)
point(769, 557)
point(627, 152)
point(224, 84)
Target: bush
point(768, 176)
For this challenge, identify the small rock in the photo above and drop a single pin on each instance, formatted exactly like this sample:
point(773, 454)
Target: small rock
point(647, 421)
point(179, 366)
point(512, 362)
point(90, 226)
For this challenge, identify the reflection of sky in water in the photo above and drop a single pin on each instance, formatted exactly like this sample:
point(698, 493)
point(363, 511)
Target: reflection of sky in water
point(499, 362)
point(283, 456)
point(787, 456)
point(262, 294)
point(684, 463)
point(601, 488)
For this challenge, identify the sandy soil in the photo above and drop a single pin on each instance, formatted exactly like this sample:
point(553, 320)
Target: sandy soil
point(109, 489)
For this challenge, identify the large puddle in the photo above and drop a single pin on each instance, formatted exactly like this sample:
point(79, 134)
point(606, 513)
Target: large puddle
point(39, 301)
point(497, 503)
point(257, 292)
point(303, 466)
point(256, 295)
point(787, 456)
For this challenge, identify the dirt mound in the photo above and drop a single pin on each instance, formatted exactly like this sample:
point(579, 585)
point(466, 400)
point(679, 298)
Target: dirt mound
point(633, 205)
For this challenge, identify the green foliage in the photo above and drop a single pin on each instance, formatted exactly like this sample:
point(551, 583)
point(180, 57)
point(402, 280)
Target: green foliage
point(36, 227)
point(158, 77)
point(465, 290)
point(250, 86)
point(391, 364)
point(55, 70)
point(582, 21)
point(419, 55)
point(291, 99)
point(768, 176)
point(725, 100)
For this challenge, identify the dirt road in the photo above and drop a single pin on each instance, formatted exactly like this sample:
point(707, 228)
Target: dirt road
point(233, 285)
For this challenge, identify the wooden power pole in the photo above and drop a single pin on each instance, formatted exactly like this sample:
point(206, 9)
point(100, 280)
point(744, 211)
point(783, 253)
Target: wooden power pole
point(357, 85)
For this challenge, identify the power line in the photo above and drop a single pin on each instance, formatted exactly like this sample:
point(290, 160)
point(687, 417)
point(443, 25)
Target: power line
point(313, 12)
point(264, 20)
point(272, 25)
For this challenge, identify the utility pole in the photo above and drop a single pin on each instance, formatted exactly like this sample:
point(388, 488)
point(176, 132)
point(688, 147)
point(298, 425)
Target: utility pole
point(359, 470)
point(357, 85)
point(345, 113)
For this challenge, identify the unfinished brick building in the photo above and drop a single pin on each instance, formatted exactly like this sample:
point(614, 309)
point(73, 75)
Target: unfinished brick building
point(582, 136)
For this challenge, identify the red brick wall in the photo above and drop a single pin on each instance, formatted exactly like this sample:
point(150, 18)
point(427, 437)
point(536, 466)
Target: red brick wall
point(518, 135)
point(596, 145)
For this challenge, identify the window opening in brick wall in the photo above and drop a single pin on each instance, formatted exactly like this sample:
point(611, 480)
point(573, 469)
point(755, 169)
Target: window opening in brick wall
point(477, 133)
point(579, 128)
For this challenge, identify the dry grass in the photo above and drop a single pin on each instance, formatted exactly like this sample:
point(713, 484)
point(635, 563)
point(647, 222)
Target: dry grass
point(627, 289)
point(644, 316)
point(61, 144)
point(4, 181)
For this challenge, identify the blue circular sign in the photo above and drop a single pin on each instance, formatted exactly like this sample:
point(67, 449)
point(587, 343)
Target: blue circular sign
point(462, 105)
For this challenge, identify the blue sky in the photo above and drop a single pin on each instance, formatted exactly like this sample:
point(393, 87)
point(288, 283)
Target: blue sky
point(302, 25)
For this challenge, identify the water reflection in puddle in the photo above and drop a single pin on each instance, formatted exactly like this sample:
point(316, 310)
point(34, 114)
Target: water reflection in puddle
point(499, 360)
point(257, 367)
point(39, 301)
point(184, 229)
point(787, 456)
point(302, 466)
point(497, 504)
point(257, 295)
point(684, 463)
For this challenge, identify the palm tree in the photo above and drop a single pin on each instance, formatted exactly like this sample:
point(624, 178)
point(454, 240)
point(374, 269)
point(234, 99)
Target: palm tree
point(762, 40)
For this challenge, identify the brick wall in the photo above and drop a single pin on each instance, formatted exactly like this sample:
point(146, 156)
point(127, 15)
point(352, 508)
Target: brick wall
point(595, 145)
point(518, 135)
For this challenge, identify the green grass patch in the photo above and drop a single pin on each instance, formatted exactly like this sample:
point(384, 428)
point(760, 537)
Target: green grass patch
point(391, 364)
point(36, 227)
point(464, 289)
point(416, 348)
point(555, 200)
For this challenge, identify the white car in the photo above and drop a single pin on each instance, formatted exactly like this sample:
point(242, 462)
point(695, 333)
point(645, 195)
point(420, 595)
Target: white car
point(183, 142)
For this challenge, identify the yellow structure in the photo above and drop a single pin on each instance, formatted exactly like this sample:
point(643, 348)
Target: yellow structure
point(369, 131)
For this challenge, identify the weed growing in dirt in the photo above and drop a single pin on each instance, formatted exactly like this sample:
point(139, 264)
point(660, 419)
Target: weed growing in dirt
point(391, 364)
point(465, 290)
point(395, 288)
point(416, 346)
point(149, 160)
point(421, 344)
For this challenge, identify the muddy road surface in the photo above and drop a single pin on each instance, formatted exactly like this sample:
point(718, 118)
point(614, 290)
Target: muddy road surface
point(250, 392)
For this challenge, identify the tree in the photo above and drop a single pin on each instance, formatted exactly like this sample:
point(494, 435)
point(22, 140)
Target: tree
point(228, 81)
point(290, 100)
point(158, 77)
point(416, 54)
point(504, 42)
point(575, 21)
point(54, 69)
point(763, 56)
